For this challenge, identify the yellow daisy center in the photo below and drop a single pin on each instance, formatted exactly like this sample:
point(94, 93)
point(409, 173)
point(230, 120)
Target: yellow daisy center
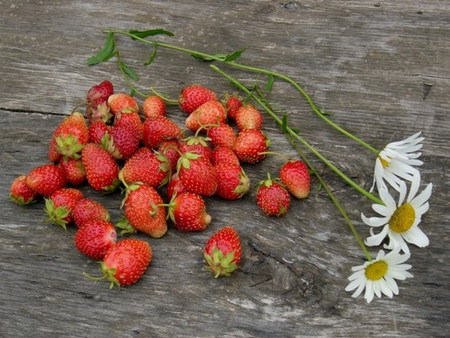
point(403, 218)
point(384, 163)
point(376, 270)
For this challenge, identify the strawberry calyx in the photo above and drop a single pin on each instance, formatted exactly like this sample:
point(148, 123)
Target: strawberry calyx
point(244, 184)
point(107, 273)
point(185, 158)
point(220, 264)
point(56, 215)
point(125, 226)
point(68, 145)
point(107, 143)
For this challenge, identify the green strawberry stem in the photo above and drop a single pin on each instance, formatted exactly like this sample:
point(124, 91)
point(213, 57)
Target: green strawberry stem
point(168, 101)
point(299, 138)
point(107, 273)
point(218, 57)
point(275, 153)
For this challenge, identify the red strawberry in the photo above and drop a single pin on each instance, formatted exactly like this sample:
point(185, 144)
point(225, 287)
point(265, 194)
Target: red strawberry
point(209, 113)
point(73, 170)
point(122, 103)
point(133, 120)
point(125, 262)
point(170, 149)
point(194, 96)
point(222, 135)
point(21, 193)
point(188, 212)
point(197, 174)
point(272, 198)
point(97, 130)
point(87, 209)
point(97, 106)
point(102, 171)
point(223, 251)
point(46, 179)
point(197, 145)
point(295, 176)
point(232, 180)
point(146, 166)
point(232, 104)
point(248, 117)
point(222, 154)
point(159, 129)
point(249, 145)
point(175, 186)
point(60, 205)
point(69, 138)
point(121, 142)
point(153, 106)
point(142, 210)
point(95, 238)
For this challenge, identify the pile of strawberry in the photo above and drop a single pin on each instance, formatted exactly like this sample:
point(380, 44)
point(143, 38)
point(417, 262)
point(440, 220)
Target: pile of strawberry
point(165, 170)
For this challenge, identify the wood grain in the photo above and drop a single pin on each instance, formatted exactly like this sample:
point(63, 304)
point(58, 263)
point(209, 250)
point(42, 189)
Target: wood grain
point(382, 70)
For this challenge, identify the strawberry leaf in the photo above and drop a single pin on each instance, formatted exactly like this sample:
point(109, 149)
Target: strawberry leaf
point(128, 71)
point(284, 124)
point(270, 82)
point(105, 53)
point(234, 55)
point(149, 32)
point(152, 57)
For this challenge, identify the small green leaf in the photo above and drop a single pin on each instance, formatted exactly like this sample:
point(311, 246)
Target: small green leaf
point(149, 32)
point(105, 53)
point(270, 82)
point(234, 55)
point(152, 57)
point(128, 71)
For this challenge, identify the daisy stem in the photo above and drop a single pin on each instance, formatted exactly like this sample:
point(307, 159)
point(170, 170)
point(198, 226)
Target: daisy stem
point(319, 112)
point(279, 121)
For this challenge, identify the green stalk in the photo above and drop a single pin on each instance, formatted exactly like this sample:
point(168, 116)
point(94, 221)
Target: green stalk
point(234, 64)
point(279, 121)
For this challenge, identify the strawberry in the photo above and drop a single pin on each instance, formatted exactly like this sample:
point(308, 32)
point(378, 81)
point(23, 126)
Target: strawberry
point(193, 96)
point(272, 198)
point(248, 117)
point(159, 129)
point(208, 114)
point(97, 107)
point(222, 251)
point(232, 180)
point(170, 149)
point(222, 135)
point(153, 106)
point(175, 186)
point(122, 141)
point(197, 174)
point(232, 104)
point(102, 171)
point(197, 145)
point(21, 193)
point(295, 176)
point(60, 204)
point(95, 238)
point(125, 262)
point(250, 144)
point(122, 103)
point(146, 166)
point(133, 120)
point(142, 211)
point(46, 179)
point(87, 209)
point(69, 137)
point(97, 130)
point(222, 154)
point(188, 212)
point(73, 170)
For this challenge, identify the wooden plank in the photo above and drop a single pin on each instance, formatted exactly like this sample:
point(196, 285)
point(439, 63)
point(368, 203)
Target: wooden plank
point(381, 69)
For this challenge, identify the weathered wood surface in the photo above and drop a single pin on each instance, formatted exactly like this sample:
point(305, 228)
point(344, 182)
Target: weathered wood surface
point(381, 67)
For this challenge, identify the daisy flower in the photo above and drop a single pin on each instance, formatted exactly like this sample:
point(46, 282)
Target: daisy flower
point(396, 162)
point(378, 276)
point(400, 221)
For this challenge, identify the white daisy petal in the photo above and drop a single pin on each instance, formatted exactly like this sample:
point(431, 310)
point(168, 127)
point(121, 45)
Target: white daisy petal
point(416, 237)
point(423, 196)
point(376, 240)
point(384, 287)
point(369, 291)
point(392, 284)
point(382, 209)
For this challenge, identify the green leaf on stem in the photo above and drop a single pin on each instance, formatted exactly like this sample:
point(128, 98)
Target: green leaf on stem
point(152, 57)
point(284, 124)
point(149, 32)
point(105, 53)
point(234, 55)
point(128, 71)
point(270, 82)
